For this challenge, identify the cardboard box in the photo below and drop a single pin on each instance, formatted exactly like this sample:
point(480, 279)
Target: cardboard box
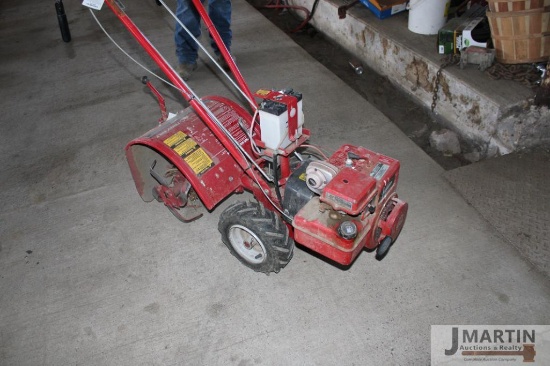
point(385, 8)
point(467, 38)
point(457, 33)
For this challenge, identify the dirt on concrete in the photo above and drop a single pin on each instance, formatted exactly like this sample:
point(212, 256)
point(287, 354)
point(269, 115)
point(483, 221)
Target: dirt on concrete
point(416, 121)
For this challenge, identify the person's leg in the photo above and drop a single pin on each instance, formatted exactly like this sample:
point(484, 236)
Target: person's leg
point(220, 13)
point(186, 47)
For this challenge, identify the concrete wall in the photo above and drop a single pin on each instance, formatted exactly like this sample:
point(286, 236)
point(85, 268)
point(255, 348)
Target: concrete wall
point(493, 115)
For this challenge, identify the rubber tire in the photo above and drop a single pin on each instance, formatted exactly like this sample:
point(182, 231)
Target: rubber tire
point(266, 226)
point(383, 249)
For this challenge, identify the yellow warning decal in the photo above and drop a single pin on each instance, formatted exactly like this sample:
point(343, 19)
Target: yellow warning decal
point(186, 147)
point(263, 92)
point(175, 139)
point(190, 151)
point(199, 161)
point(302, 176)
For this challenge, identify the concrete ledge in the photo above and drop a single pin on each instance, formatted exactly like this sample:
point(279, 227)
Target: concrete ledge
point(493, 115)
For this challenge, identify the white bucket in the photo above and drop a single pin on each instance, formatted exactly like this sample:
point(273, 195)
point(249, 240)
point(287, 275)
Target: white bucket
point(427, 16)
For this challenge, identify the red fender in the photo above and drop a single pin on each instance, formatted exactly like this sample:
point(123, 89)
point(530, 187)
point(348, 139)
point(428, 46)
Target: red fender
point(187, 143)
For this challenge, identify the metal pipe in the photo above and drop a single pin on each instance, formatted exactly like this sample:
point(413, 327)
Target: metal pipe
point(62, 19)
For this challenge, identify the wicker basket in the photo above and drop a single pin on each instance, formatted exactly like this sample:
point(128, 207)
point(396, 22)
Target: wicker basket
point(527, 49)
point(521, 36)
point(516, 5)
point(519, 23)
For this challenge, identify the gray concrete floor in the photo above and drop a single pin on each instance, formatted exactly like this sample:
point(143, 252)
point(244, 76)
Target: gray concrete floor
point(91, 275)
point(512, 193)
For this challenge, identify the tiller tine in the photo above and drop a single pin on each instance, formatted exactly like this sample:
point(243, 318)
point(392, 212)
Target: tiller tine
point(174, 194)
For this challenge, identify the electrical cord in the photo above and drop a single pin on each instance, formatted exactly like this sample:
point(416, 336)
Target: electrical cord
point(313, 8)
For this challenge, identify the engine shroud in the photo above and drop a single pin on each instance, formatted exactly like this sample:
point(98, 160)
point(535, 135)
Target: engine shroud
point(363, 192)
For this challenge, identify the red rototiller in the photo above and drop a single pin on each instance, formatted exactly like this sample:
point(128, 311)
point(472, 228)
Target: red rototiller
point(336, 205)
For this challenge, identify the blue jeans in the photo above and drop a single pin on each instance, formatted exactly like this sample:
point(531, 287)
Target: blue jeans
point(220, 13)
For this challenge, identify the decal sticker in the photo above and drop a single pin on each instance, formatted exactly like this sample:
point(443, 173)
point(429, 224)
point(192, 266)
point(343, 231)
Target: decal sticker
point(379, 171)
point(186, 147)
point(199, 161)
point(339, 200)
point(175, 139)
point(263, 92)
point(194, 155)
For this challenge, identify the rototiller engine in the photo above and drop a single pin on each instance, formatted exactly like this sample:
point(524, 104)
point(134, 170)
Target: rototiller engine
point(334, 205)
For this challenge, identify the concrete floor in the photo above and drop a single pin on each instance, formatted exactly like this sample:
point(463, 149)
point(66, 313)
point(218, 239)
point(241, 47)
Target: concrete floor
point(512, 193)
point(91, 275)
